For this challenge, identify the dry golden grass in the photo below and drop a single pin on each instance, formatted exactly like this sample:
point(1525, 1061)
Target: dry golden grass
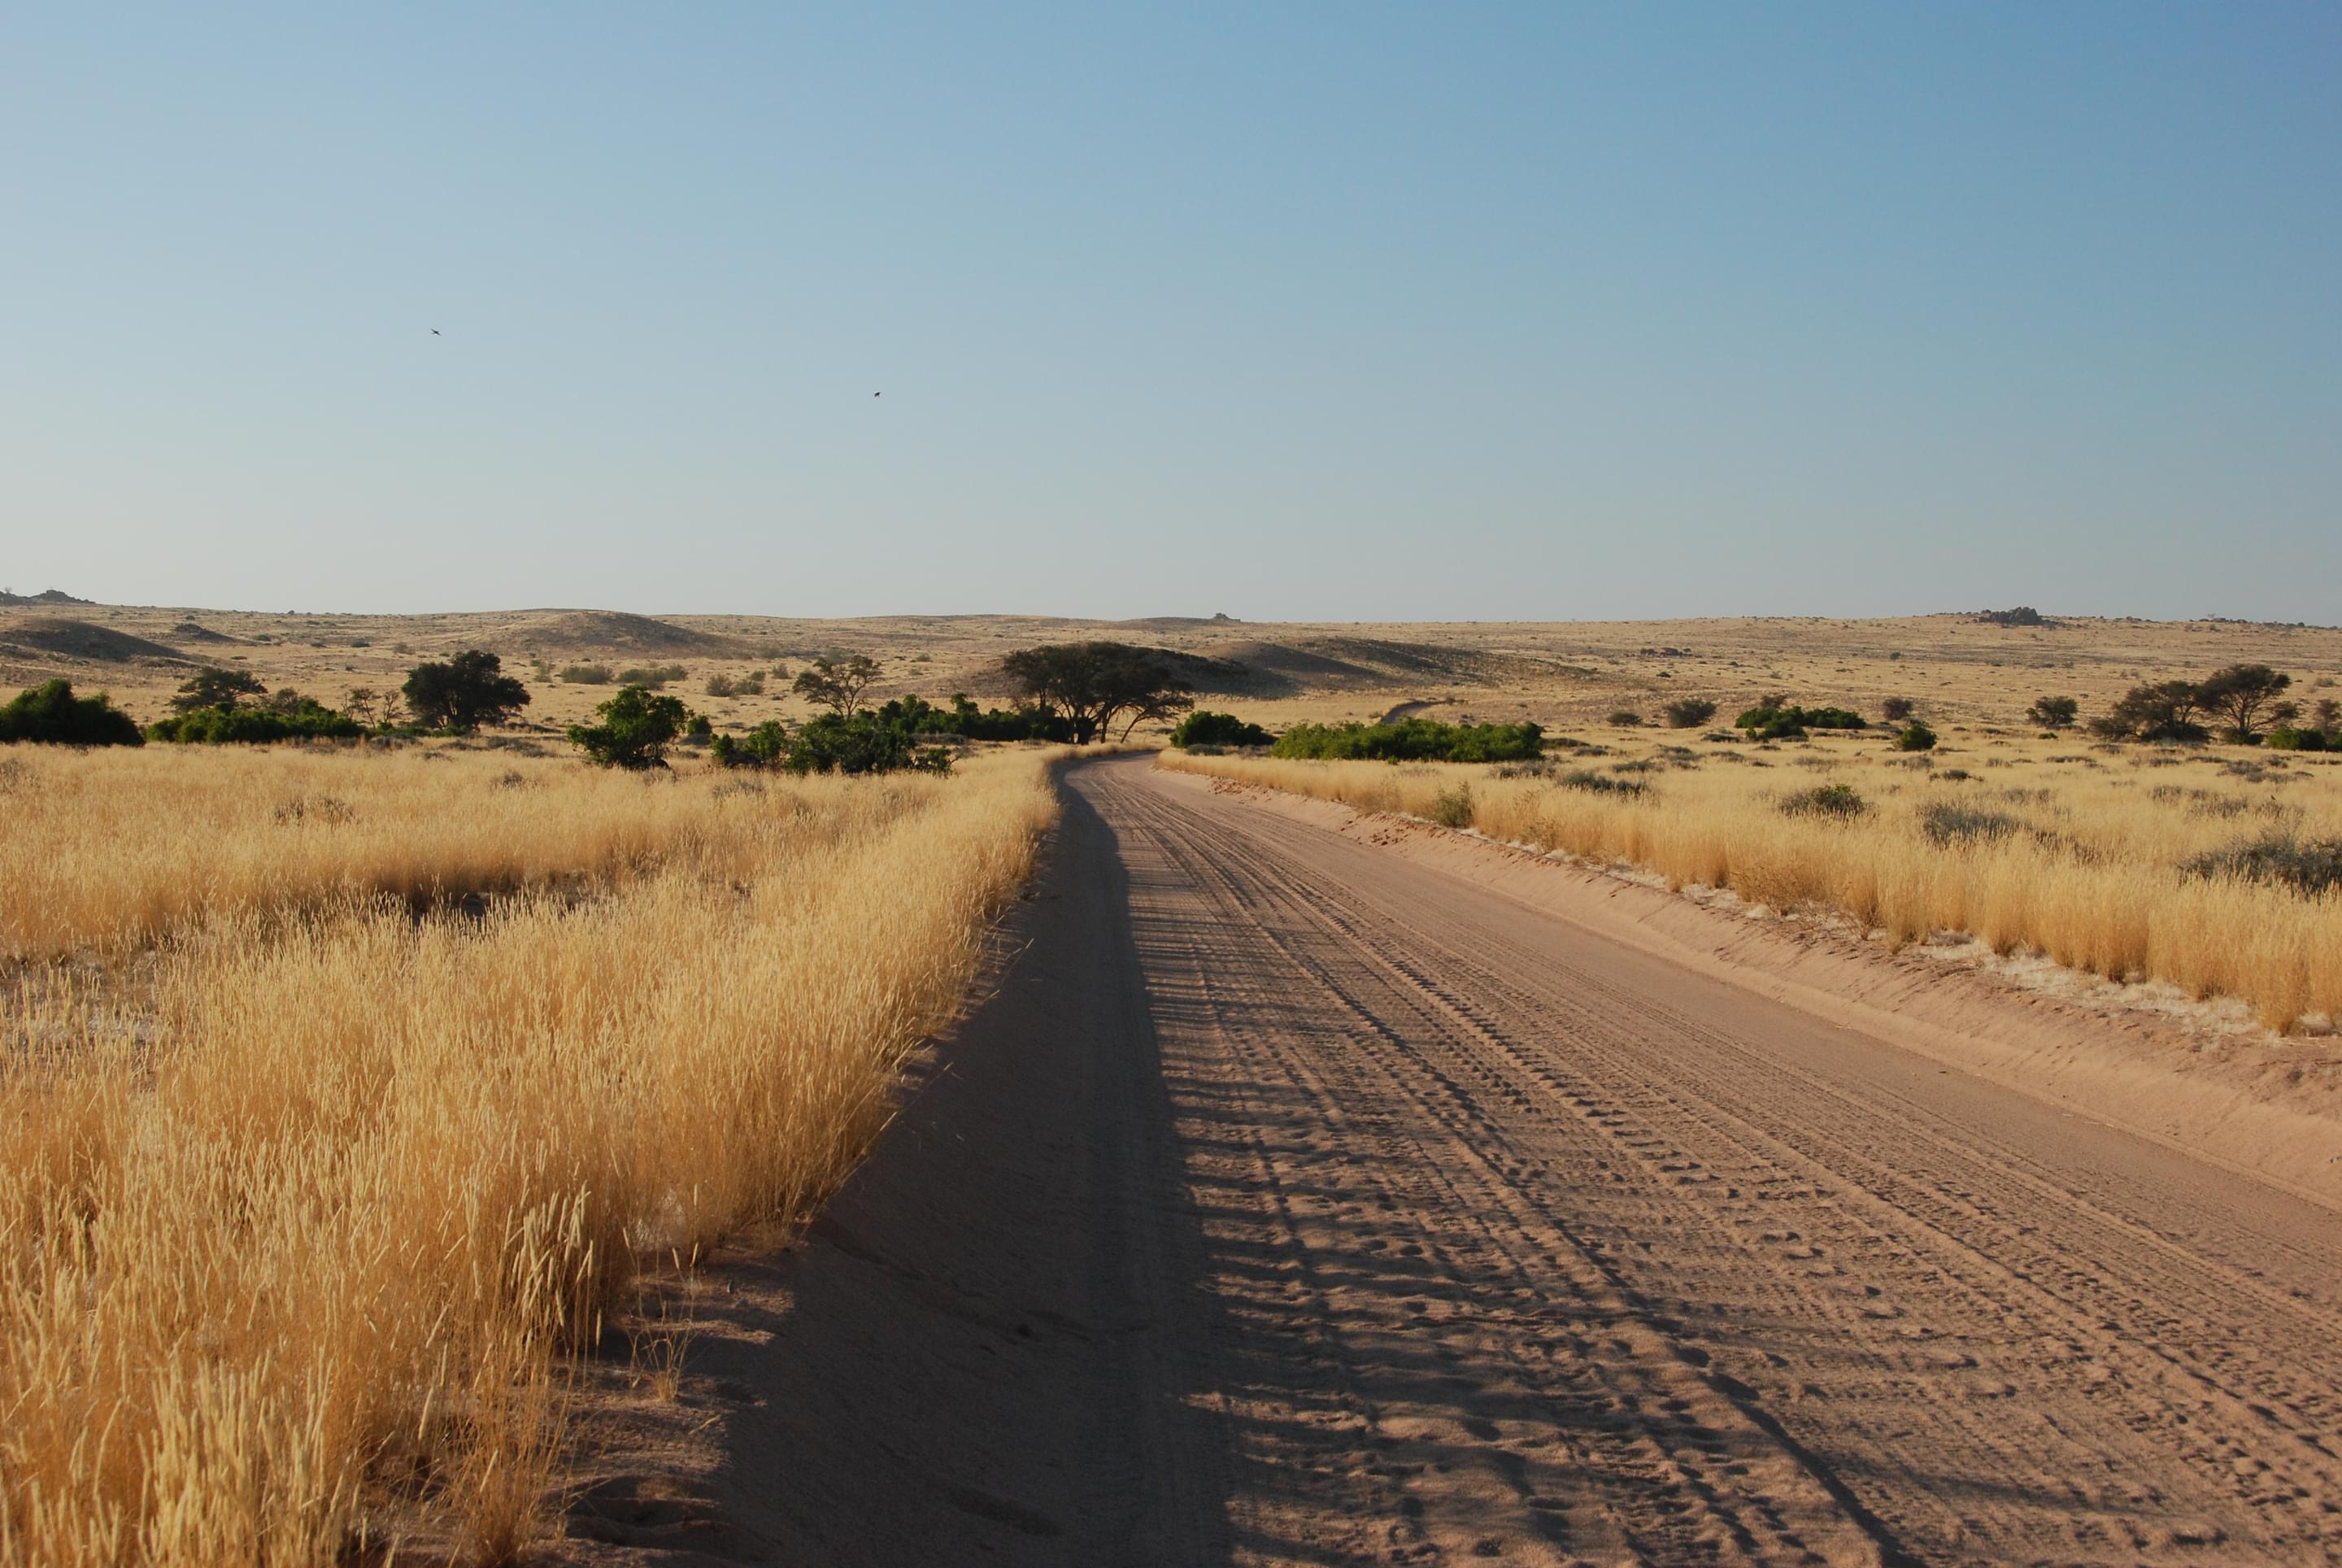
point(298, 1215)
point(2087, 867)
point(109, 850)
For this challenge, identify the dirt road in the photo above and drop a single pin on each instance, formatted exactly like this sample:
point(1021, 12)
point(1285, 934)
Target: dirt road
point(1295, 1203)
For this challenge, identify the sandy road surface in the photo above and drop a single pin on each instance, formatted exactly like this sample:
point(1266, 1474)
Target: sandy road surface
point(1295, 1203)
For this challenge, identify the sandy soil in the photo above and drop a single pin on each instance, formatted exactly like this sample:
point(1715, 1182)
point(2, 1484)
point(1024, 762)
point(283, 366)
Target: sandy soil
point(1296, 1201)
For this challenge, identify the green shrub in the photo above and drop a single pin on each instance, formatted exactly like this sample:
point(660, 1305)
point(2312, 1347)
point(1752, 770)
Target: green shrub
point(652, 676)
point(1204, 727)
point(1916, 737)
point(763, 747)
point(1413, 741)
point(635, 730)
point(2287, 738)
point(586, 674)
point(1833, 800)
point(1688, 712)
point(1774, 719)
point(859, 743)
point(965, 719)
point(51, 715)
point(303, 718)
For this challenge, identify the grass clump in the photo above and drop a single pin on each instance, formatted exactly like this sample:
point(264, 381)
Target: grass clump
point(1453, 808)
point(1945, 823)
point(2310, 867)
point(1594, 783)
point(1838, 802)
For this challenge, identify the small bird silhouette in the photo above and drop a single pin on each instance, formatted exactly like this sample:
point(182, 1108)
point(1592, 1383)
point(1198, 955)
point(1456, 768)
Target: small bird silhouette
point(434, 332)
point(877, 393)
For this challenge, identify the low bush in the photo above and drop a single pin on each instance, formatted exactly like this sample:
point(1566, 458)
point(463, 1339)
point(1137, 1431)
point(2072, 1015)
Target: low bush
point(965, 720)
point(299, 719)
point(1413, 741)
point(859, 743)
point(2288, 738)
point(51, 715)
point(1204, 727)
point(1897, 709)
point(1626, 719)
point(586, 674)
point(763, 747)
point(1916, 737)
point(2310, 867)
point(1688, 712)
point(1778, 720)
point(1453, 808)
point(652, 676)
point(1839, 801)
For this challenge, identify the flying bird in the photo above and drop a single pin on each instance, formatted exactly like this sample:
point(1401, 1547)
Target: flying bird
point(434, 332)
point(877, 393)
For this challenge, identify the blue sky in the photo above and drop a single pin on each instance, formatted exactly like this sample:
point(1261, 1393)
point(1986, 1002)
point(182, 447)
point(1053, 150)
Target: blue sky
point(1329, 311)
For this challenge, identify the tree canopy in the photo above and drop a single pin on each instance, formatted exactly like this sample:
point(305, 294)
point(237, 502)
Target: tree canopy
point(463, 692)
point(214, 687)
point(836, 684)
point(2240, 694)
point(1092, 684)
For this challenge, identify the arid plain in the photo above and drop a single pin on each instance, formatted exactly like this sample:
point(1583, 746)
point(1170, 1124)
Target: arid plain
point(1629, 1170)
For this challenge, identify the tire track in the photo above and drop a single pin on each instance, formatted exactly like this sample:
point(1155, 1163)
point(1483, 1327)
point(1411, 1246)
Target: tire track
point(1602, 1260)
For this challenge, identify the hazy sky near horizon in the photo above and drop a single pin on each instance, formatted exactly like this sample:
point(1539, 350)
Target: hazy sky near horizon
point(1289, 311)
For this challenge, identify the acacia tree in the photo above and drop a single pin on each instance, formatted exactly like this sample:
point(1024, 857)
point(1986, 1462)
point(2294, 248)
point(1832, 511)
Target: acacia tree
point(214, 687)
point(2240, 693)
point(2165, 711)
point(463, 692)
point(2053, 712)
point(1092, 684)
point(836, 684)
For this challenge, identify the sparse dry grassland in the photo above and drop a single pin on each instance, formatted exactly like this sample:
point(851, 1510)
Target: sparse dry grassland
point(342, 1088)
point(312, 1172)
point(2082, 852)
